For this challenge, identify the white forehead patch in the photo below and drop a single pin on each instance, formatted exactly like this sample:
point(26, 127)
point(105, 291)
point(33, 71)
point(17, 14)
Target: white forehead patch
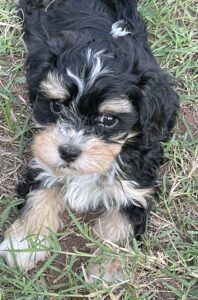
point(97, 69)
point(79, 81)
point(117, 29)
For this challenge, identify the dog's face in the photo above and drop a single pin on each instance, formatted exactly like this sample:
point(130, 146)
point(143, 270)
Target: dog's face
point(87, 129)
point(88, 117)
point(92, 99)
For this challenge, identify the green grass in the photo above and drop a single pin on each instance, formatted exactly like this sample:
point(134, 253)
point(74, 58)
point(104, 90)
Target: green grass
point(165, 266)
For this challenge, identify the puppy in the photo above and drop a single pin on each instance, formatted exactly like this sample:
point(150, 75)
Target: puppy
point(105, 107)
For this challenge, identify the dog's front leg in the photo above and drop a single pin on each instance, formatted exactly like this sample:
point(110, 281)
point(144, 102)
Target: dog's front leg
point(118, 227)
point(40, 216)
point(114, 227)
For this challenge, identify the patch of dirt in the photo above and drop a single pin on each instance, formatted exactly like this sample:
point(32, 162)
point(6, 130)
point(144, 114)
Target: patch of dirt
point(10, 162)
point(71, 243)
point(190, 114)
point(10, 159)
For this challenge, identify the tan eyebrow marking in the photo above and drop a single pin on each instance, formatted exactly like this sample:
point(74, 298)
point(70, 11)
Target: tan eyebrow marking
point(116, 106)
point(53, 86)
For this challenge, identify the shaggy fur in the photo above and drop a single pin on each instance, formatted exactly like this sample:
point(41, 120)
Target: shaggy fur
point(105, 107)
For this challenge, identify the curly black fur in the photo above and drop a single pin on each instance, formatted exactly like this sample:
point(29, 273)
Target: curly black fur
point(57, 35)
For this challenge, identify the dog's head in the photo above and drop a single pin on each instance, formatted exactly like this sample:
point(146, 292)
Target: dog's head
point(89, 117)
point(93, 102)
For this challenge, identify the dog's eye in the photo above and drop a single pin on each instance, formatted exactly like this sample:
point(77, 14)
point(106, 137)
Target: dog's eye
point(108, 120)
point(56, 107)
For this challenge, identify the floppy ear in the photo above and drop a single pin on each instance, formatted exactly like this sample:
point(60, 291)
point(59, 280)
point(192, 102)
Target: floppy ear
point(38, 62)
point(157, 104)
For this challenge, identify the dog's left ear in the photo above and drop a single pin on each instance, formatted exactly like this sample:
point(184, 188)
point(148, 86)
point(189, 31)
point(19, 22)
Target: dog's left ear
point(157, 103)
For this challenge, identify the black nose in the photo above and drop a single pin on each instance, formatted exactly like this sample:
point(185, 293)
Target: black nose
point(69, 154)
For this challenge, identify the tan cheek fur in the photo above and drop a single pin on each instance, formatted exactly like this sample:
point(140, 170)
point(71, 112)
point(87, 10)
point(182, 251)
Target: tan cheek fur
point(45, 147)
point(96, 156)
point(99, 155)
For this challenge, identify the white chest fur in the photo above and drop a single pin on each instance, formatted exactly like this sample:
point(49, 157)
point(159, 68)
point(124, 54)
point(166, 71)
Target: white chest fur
point(88, 192)
point(83, 193)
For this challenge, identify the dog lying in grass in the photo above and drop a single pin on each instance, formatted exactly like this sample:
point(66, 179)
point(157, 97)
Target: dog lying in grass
point(105, 108)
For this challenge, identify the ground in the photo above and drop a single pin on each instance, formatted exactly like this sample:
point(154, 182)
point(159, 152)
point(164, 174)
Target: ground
point(164, 264)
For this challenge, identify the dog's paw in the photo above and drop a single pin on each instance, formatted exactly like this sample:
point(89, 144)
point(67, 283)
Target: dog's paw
point(106, 272)
point(21, 251)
